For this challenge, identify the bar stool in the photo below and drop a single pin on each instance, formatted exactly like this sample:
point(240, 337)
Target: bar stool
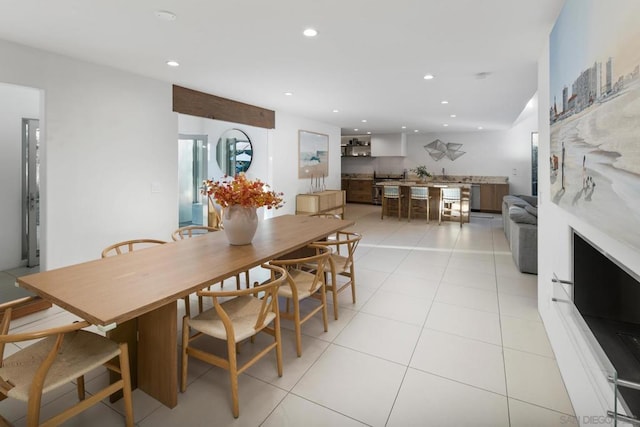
point(450, 203)
point(418, 193)
point(391, 192)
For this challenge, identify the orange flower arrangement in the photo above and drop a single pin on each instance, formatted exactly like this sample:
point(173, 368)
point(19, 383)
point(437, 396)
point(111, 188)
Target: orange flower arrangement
point(242, 191)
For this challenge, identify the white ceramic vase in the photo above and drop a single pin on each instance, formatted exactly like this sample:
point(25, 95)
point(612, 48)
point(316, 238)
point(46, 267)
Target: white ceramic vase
point(240, 224)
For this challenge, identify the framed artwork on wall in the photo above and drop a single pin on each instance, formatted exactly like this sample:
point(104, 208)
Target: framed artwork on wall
point(313, 154)
point(594, 115)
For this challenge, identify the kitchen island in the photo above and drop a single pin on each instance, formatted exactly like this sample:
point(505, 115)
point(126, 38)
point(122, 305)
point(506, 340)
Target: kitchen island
point(434, 195)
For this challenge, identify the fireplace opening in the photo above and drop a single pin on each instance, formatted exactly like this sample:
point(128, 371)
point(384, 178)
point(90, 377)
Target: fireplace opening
point(607, 296)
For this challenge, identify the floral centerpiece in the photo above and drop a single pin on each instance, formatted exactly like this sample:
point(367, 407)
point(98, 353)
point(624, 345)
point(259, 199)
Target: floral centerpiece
point(239, 198)
point(242, 191)
point(421, 171)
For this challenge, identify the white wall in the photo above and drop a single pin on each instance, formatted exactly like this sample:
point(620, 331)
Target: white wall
point(555, 255)
point(283, 158)
point(16, 103)
point(107, 137)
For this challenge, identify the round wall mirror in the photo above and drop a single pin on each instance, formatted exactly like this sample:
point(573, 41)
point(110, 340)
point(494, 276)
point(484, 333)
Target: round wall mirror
point(234, 152)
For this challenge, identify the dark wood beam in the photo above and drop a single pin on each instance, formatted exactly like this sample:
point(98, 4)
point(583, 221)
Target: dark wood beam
point(194, 103)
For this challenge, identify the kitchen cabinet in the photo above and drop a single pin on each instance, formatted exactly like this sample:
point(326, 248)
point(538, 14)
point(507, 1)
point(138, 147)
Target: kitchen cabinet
point(360, 191)
point(491, 196)
point(389, 145)
point(327, 202)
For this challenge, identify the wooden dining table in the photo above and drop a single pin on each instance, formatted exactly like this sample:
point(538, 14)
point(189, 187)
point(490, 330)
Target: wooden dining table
point(134, 295)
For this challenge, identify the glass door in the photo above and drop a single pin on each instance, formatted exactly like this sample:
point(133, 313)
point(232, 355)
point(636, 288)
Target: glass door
point(192, 170)
point(31, 191)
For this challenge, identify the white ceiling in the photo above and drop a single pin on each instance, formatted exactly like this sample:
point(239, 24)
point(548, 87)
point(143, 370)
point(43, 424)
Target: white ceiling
point(368, 60)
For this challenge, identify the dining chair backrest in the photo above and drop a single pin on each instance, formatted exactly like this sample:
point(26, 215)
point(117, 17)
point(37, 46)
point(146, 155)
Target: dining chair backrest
point(191, 231)
point(129, 246)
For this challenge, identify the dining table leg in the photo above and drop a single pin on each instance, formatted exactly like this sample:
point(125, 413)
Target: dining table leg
point(158, 354)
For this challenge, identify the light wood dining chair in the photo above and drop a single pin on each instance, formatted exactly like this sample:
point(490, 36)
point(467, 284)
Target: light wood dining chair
point(236, 316)
point(418, 194)
point(391, 192)
point(137, 244)
point(63, 354)
point(302, 284)
point(340, 263)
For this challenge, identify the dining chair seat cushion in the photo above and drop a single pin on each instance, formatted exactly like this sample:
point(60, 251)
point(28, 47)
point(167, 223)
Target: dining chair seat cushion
point(303, 281)
point(242, 311)
point(81, 351)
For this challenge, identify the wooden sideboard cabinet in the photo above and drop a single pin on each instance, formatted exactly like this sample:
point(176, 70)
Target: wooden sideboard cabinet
point(491, 196)
point(329, 202)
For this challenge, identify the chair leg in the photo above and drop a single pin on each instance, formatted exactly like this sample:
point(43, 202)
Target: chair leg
point(233, 376)
point(353, 283)
point(334, 291)
point(80, 387)
point(410, 203)
point(399, 207)
point(125, 373)
point(246, 278)
point(278, 338)
point(428, 213)
point(384, 204)
point(298, 327)
point(187, 306)
point(323, 297)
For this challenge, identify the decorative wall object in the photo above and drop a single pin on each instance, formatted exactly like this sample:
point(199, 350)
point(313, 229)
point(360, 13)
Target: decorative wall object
point(594, 115)
point(438, 150)
point(313, 156)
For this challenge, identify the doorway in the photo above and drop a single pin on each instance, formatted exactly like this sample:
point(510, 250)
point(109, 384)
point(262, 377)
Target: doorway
point(193, 158)
point(31, 191)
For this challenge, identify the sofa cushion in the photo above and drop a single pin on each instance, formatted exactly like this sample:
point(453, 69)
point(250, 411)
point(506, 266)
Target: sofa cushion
point(514, 201)
point(532, 210)
point(520, 215)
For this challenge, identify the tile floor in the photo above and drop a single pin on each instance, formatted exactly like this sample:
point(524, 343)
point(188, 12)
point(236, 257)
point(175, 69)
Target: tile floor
point(445, 332)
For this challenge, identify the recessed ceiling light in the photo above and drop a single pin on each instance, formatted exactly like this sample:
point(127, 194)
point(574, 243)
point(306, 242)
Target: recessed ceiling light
point(288, 93)
point(453, 116)
point(444, 102)
point(356, 130)
point(445, 125)
point(364, 120)
point(480, 128)
point(428, 76)
point(404, 127)
point(310, 32)
point(336, 111)
point(165, 15)
point(173, 63)
point(416, 131)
